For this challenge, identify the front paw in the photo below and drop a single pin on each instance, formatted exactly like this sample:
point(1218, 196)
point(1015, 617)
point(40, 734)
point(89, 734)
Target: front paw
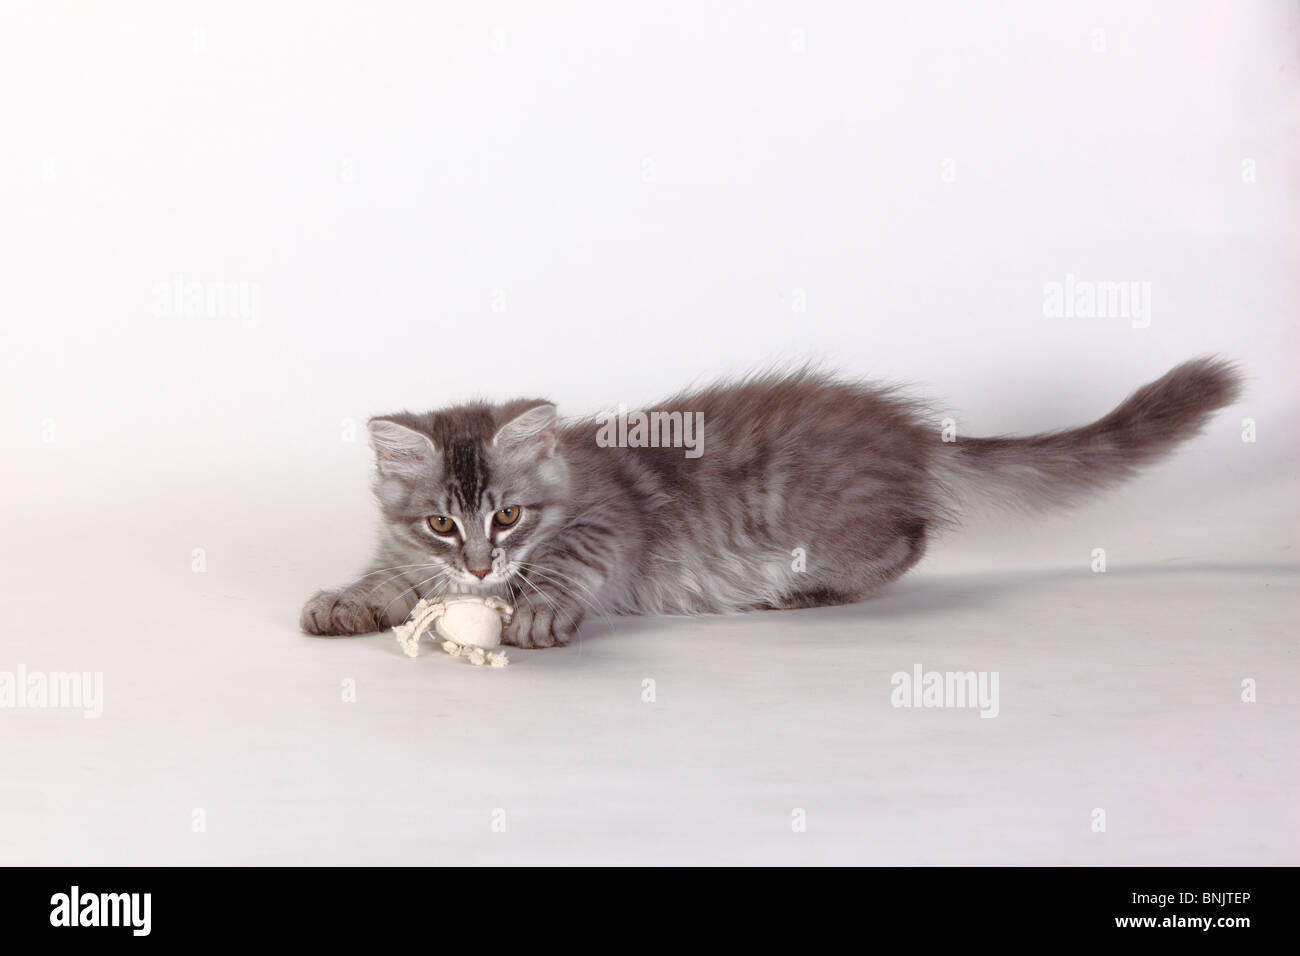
point(542, 626)
point(340, 612)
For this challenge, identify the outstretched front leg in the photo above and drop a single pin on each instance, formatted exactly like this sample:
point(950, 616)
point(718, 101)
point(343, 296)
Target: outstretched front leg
point(375, 601)
point(545, 618)
point(556, 588)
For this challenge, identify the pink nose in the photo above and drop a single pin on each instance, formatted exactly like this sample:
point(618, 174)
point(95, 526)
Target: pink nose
point(480, 574)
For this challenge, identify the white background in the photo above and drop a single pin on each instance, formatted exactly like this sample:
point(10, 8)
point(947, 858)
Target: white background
point(599, 204)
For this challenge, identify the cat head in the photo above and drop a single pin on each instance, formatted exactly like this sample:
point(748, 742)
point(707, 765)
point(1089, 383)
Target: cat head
point(469, 491)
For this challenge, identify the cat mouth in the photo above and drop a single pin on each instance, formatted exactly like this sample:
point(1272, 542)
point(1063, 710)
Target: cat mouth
point(492, 583)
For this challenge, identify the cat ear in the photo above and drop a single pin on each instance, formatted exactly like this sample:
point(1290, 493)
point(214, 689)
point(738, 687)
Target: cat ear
point(536, 430)
point(401, 451)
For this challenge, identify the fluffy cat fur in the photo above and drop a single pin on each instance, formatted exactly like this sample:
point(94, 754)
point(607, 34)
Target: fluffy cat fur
point(855, 475)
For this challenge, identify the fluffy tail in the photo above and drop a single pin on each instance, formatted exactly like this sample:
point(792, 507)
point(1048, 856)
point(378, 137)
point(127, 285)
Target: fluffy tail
point(1061, 467)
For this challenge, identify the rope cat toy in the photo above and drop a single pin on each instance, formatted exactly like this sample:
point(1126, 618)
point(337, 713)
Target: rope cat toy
point(470, 627)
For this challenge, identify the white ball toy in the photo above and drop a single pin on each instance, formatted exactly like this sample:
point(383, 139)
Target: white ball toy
point(470, 626)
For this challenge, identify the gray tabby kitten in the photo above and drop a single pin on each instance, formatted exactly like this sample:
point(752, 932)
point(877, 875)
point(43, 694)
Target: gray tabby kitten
point(503, 499)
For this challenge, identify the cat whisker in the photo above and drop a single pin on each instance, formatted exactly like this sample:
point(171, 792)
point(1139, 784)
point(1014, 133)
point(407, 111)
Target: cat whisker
point(559, 577)
point(414, 587)
point(562, 588)
point(542, 594)
point(396, 567)
point(397, 573)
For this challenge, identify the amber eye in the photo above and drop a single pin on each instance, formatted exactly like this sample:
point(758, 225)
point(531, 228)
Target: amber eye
point(441, 524)
point(507, 516)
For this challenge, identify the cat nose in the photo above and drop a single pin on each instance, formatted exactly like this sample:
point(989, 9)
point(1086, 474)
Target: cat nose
point(480, 574)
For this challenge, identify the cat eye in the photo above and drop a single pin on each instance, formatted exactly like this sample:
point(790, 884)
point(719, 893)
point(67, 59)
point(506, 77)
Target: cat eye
point(507, 516)
point(441, 524)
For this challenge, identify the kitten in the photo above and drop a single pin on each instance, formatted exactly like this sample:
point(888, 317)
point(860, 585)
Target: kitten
point(503, 499)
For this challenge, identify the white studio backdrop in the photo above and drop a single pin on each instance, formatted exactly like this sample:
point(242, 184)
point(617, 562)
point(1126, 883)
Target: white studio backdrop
point(230, 233)
point(408, 205)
